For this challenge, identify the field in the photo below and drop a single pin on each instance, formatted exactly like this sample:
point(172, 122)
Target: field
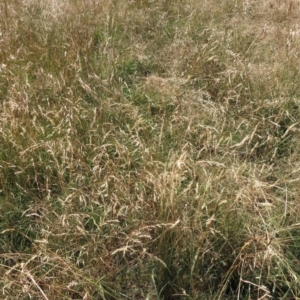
point(149, 149)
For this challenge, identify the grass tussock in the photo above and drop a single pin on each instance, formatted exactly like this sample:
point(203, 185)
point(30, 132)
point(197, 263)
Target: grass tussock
point(149, 149)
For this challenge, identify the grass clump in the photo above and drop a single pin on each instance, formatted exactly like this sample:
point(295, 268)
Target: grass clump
point(149, 150)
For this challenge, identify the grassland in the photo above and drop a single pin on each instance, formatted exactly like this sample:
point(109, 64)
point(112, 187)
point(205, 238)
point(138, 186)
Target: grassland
point(149, 149)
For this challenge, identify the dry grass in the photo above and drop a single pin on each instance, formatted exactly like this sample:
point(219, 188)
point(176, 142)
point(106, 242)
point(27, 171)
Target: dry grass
point(149, 149)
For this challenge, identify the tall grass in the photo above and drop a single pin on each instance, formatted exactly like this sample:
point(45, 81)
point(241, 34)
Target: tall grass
point(149, 149)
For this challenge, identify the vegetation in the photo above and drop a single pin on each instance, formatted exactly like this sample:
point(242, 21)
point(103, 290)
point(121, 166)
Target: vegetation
point(150, 149)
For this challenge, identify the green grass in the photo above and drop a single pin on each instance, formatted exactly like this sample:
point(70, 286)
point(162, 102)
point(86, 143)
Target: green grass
point(149, 150)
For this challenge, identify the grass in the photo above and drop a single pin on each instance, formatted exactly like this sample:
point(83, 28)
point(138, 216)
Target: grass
point(149, 149)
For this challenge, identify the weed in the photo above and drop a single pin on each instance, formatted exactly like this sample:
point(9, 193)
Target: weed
point(149, 149)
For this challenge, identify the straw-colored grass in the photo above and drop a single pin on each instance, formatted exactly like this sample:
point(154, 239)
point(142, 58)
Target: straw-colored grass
point(149, 149)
